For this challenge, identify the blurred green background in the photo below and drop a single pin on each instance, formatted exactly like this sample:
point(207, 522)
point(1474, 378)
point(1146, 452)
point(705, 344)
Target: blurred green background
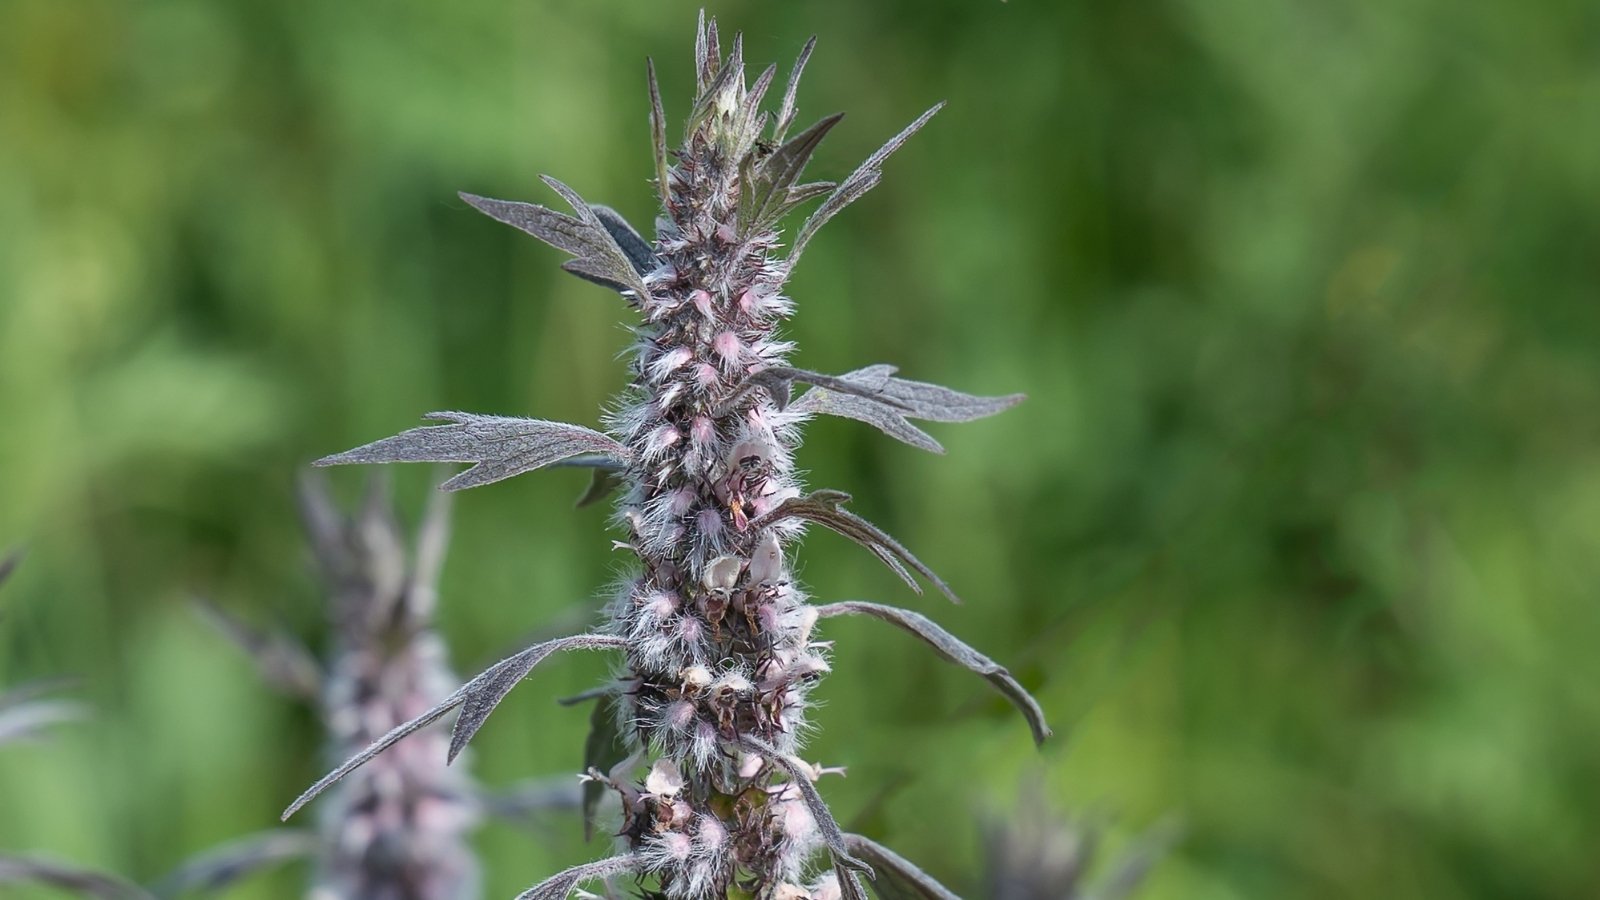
point(1296, 536)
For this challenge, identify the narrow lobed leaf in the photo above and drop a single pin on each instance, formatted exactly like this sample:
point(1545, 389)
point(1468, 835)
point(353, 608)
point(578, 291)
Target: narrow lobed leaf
point(560, 886)
point(954, 650)
point(633, 245)
point(825, 507)
point(863, 179)
point(898, 878)
point(786, 112)
point(658, 134)
point(484, 693)
point(597, 256)
point(890, 402)
point(770, 195)
point(481, 695)
point(778, 382)
point(500, 446)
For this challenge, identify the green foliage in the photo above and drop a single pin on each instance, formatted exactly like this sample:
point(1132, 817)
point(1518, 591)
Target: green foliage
point(1294, 537)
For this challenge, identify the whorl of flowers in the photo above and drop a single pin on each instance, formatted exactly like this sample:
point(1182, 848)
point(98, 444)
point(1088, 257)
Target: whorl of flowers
point(719, 641)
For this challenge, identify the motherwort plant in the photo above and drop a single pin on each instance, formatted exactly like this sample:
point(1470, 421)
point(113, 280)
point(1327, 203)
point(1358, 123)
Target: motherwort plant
point(397, 831)
point(718, 640)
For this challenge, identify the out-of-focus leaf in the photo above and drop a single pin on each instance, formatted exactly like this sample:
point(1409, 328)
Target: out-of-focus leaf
point(501, 446)
point(220, 868)
point(525, 802)
point(21, 870)
point(283, 662)
point(8, 564)
point(601, 484)
point(953, 649)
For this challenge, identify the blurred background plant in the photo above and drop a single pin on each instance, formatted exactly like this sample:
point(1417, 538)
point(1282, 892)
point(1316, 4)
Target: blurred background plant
point(1295, 537)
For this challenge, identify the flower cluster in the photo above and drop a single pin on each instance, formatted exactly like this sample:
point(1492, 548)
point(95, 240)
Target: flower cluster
point(700, 739)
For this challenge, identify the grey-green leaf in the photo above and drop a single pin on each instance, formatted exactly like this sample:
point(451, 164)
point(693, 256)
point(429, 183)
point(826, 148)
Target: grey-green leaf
point(890, 402)
point(954, 650)
point(479, 697)
point(832, 834)
point(898, 878)
point(500, 446)
point(484, 693)
point(863, 179)
point(633, 245)
point(217, 869)
point(597, 256)
point(67, 877)
point(560, 886)
point(826, 508)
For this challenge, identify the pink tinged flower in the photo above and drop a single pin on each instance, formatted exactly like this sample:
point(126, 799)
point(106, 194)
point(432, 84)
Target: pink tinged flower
point(766, 563)
point(690, 631)
point(662, 438)
point(797, 821)
point(702, 302)
point(661, 604)
point(728, 348)
point(709, 521)
point(664, 779)
point(668, 362)
point(680, 502)
point(710, 832)
point(676, 845)
point(750, 765)
point(725, 233)
point(723, 572)
point(767, 617)
point(702, 431)
point(679, 715)
point(705, 375)
point(747, 300)
point(695, 679)
point(764, 504)
point(732, 683)
point(827, 888)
